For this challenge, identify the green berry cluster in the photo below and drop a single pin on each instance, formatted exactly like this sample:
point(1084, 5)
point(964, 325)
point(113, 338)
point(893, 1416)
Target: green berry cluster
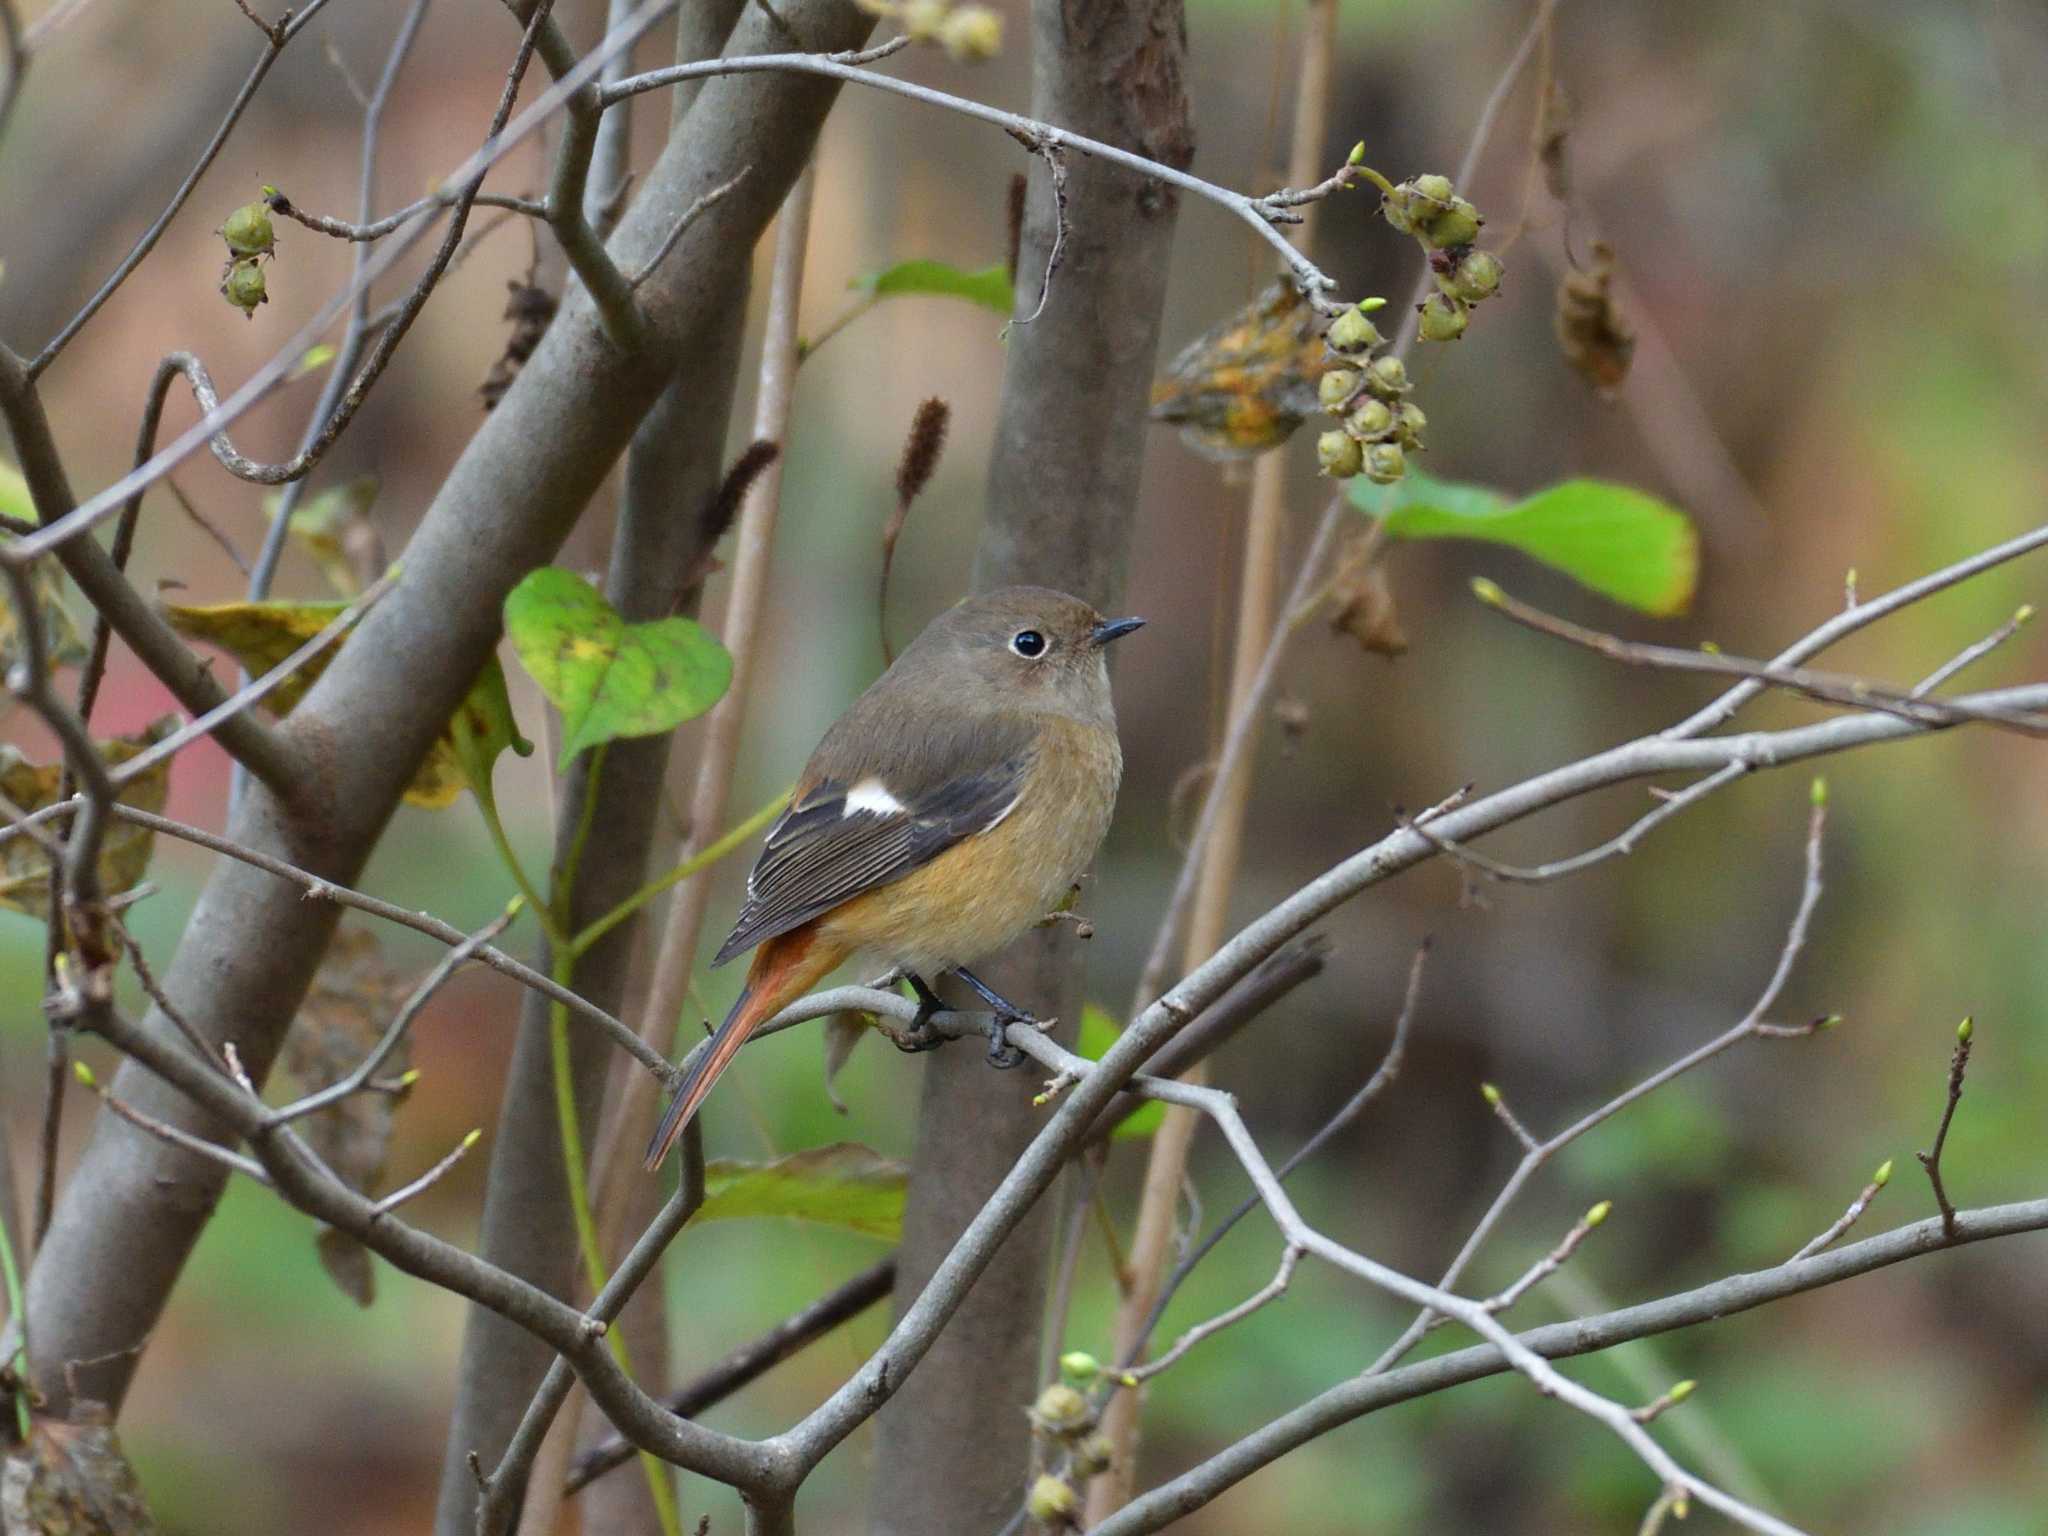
point(1445, 224)
point(251, 240)
point(1065, 1420)
point(1367, 394)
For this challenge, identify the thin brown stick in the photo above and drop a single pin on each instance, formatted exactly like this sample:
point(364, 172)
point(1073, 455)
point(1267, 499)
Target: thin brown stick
point(1959, 1063)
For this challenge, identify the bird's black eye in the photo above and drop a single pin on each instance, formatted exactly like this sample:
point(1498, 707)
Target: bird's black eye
point(1028, 643)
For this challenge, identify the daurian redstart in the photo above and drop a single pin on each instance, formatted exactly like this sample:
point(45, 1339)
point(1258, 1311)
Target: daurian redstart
point(947, 811)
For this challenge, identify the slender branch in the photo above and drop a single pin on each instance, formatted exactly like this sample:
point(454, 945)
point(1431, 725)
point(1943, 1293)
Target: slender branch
point(1539, 1153)
point(1972, 654)
point(1038, 137)
point(276, 39)
point(190, 681)
point(358, 1077)
point(318, 889)
point(1828, 687)
point(367, 229)
point(431, 1177)
point(684, 220)
point(1852, 1215)
point(1361, 1395)
point(748, 1363)
point(1959, 1063)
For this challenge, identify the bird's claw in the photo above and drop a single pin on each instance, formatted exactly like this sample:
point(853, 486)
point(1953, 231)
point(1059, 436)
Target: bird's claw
point(1001, 1054)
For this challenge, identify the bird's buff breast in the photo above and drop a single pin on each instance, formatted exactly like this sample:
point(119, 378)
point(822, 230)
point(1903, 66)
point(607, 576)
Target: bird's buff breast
point(980, 894)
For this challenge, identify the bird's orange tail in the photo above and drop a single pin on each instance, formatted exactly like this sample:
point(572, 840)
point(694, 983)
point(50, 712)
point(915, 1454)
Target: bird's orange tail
point(784, 968)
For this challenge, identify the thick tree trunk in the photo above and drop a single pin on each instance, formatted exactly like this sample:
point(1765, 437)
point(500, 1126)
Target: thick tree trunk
point(133, 1207)
point(1063, 485)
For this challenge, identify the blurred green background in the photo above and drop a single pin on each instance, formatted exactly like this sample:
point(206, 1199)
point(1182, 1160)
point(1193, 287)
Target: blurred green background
point(1831, 223)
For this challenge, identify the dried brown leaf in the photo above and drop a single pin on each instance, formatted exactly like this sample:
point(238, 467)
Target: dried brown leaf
point(72, 1479)
point(1364, 602)
point(124, 855)
point(1596, 338)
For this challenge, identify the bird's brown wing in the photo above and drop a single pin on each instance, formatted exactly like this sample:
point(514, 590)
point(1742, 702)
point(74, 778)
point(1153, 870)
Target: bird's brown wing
point(822, 853)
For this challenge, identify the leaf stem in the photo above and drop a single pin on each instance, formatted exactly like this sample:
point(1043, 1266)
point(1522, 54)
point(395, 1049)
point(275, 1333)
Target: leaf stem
point(703, 858)
point(12, 1278)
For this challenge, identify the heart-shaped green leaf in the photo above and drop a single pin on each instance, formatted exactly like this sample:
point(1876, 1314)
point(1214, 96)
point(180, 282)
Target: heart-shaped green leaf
point(1623, 543)
point(610, 678)
point(841, 1185)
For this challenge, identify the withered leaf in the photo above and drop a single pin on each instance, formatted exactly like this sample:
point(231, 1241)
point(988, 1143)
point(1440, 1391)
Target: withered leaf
point(72, 1479)
point(124, 854)
point(63, 641)
point(1364, 602)
point(1595, 337)
point(353, 998)
point(843, 1031)
point(1243, 386)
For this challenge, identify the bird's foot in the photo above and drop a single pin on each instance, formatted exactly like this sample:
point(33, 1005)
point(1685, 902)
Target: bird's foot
point(1001, 1054)
point(919, 1035)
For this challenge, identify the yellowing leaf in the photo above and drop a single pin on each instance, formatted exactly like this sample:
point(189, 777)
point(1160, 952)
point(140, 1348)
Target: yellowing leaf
point(841, 1185)
point(610, 678)
point(62, 638)
point(124, 853)
point(261, 635)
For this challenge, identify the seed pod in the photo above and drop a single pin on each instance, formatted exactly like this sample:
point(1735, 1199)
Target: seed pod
point(243, 286)
point(1453, 226)
point(1094, 1455)
point(1387, 377)
point(1352, 332)
point(972, 33)
point(921, 19)
point(1052, 1502)
point(248, 231)
point(1341, 454)
point(1412, 422)
point(1385, 463)
point(1372, 419)
point(1060, 1410)
point(1337, 386)
point(1477, 276)
point(1443, 317)
point(1434, 187)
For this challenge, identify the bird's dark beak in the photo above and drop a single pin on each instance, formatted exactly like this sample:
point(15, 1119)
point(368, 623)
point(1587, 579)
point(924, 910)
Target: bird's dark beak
point(1111, 629)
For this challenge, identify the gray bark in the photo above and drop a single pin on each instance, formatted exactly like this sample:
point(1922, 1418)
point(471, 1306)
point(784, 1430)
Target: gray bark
point(134, 1206)
point(1063, 485)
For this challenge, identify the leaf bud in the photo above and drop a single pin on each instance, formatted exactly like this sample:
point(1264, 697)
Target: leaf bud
point(1883, 1176)
point(1599, 1213)
point(1965, 1030)
point(1340, 454)
point(1443, 317)
point(1680, 1391)
point(1385, 463)
point(1079, 1367)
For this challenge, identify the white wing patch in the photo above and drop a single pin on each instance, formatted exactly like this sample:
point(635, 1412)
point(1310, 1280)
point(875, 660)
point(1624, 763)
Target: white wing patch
point(872, 796)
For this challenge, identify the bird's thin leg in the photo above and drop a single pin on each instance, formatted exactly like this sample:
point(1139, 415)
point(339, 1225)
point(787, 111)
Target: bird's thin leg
point(919, 1035)
point(1001, 1054)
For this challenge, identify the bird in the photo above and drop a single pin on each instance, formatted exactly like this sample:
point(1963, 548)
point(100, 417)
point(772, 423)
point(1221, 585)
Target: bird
point(949, 809)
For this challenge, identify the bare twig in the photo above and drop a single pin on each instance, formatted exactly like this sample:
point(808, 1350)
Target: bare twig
point(1056, 168)
point(1972, 654)
point(684, 220)
point(1851, 1216)
point(431, 1177)
point(276, 41)
point(1958, 1064)
point(749, 1362)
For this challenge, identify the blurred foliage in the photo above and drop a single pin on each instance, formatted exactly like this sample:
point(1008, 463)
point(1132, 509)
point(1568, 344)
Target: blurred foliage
point(1833, 216)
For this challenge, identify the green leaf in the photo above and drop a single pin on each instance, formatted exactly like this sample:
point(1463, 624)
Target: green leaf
point(1623, 543)
point(841, 1185)
point(610, 678)
point(990, 287)
point(1098, 1034)
point(482, 728)
point(311, 361)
